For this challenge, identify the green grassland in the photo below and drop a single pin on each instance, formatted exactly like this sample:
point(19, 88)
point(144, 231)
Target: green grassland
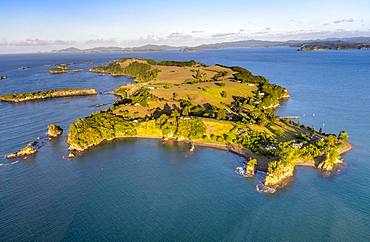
point(211, 105)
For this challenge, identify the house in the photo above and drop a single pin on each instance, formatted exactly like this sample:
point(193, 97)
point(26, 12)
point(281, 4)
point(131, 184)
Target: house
point(270, 147)
point(315, 138)
point(297, 145)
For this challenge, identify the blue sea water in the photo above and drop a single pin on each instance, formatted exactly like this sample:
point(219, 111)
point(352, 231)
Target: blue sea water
point(139, 189)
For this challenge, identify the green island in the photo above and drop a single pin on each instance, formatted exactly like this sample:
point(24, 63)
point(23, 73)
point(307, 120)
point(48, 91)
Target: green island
point(28, 150)
point(62, 68)
point(32, 96)
point(215, 106)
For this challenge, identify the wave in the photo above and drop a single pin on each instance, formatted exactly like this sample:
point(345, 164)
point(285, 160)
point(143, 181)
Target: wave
point(10, 163)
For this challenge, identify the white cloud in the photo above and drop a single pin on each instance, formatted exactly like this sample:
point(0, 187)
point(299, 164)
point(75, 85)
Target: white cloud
point(197, 31)
point(39, 42)
point(179, 36)
point(347, 20)
point(221, 35)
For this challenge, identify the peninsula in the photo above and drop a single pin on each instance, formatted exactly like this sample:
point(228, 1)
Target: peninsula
point(32, 96)
point(216, 106)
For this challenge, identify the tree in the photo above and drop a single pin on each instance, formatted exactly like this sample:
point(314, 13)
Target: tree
point(223, 94)
point(221, 114)
point(199, 76)
point(343, 136)
point(186, 111)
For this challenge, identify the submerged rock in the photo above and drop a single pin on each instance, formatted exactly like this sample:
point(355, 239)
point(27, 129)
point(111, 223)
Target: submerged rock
point(25, 151)
point(54, 130)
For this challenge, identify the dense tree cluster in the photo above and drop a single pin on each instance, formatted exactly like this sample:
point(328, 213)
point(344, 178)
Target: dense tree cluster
point(98, 127)
point(245, 76)
point(140, 71)
point(175, 125)
point(173, 63)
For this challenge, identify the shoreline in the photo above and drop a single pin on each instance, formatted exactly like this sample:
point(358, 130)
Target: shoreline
point(235, 149)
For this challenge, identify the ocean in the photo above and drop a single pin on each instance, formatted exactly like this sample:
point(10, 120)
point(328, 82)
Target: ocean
point(144, 190)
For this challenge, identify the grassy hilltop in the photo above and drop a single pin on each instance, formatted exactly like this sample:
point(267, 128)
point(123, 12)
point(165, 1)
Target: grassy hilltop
point(217, 106)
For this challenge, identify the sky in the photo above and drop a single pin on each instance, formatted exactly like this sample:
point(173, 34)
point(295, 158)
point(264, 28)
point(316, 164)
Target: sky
point(44, 25)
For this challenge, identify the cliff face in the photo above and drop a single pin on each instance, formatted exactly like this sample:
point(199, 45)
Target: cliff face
point(273, 180)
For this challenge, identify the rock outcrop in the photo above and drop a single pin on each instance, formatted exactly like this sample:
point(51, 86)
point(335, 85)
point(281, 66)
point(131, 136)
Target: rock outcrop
point(275, 179)
point(54, 130)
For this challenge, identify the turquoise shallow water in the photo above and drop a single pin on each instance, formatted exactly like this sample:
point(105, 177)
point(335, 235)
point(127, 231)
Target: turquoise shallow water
point(139, 189)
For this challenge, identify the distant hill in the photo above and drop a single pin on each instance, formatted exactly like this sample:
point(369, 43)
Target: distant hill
point(119, 49)
point(237, 44)
point(360, 43)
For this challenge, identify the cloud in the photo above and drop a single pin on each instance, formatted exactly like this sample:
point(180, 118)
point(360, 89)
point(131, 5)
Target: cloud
point(241, 30)
point(197, 31)
point(261, 32)
point(221, 35)
point(340, 21)
point(346, 20)
point(39, 42)
point(179, 36)
point(101, 42)
point(3, 42)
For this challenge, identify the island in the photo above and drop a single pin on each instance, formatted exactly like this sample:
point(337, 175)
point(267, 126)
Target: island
point(216, 106)
point(62, 68)
point(32, 96)
point(334, 45)
point(28, 150)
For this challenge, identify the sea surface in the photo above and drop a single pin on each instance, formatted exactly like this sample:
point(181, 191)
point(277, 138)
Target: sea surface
point(143, 190)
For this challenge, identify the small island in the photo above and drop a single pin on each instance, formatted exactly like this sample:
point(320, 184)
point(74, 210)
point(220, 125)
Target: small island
point(62, 68)
point(333, 45)
point(32, 96)
point(216, 106)
point(28, 150)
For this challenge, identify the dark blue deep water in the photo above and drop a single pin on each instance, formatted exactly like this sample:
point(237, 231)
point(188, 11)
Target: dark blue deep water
point(138, 189)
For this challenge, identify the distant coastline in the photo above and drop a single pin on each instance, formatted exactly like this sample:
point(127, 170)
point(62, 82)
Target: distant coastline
point(356, 43)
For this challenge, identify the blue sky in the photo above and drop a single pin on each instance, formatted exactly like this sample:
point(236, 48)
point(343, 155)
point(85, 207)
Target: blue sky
point(43, 25)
